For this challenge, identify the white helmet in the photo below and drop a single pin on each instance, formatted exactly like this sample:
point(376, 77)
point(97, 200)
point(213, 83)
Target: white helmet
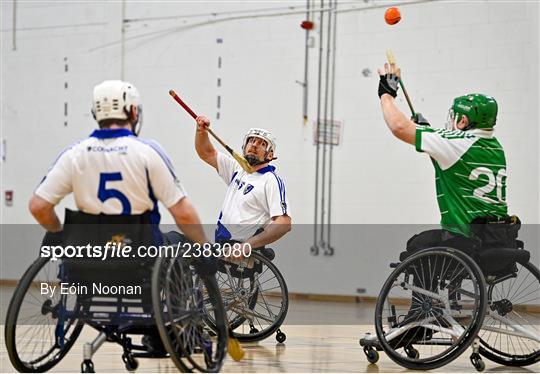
point(261, 134)
point(114, 99)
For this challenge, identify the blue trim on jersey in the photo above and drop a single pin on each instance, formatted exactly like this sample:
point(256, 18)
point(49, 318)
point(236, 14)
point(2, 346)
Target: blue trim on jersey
point(234, 175)
point(222, 233)
point(58, 158)
point(110, 133)
point(266, 169)
point(160, 152)
point(155, 217)
point(281, 186)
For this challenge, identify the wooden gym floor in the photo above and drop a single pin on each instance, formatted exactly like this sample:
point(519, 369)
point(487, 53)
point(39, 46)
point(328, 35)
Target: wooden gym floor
point(321, 347)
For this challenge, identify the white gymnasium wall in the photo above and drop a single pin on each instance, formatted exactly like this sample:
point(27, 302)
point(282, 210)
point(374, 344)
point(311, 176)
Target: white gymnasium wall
point(445, 48)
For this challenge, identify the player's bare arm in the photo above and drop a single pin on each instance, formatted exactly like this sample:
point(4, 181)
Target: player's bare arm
point(279, 226)
point(402, 127)
point(203, 145)
point(44, 213)
point(187, 219)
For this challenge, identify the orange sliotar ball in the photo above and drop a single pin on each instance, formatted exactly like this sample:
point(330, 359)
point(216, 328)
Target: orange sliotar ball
point(392, 16)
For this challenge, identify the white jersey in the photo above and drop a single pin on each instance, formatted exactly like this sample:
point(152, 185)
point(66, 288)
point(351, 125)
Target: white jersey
point(113, 172)
point(251, 201)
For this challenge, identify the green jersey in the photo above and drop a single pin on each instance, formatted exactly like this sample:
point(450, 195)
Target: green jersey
point(470, 174)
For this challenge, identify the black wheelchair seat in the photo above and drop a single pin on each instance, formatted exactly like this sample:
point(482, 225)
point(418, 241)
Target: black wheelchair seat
point(117, 289)
point(81, 229)
point(493, 261)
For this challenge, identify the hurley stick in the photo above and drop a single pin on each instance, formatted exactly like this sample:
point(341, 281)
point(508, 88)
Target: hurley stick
point(238, 157)
point(392, 60)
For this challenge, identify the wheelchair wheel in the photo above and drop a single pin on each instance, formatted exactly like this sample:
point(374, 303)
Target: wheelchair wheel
point(431, 308)
point(255, 297)
point(178, 310)
point(511, 334)
point(41, 329)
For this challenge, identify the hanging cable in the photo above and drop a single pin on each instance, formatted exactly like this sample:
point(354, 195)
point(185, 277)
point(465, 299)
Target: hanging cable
point(315, 247)
point(332, 90)
point(325, 128)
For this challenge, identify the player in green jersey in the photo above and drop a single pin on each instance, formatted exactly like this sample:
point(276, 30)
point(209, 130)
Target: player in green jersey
point(470, 164)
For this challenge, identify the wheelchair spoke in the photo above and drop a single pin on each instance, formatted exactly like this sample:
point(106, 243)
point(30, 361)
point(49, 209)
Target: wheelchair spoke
point(518, 288)
point(513, 332)
point(428, 308)
point(249, 293)
point(31, 329)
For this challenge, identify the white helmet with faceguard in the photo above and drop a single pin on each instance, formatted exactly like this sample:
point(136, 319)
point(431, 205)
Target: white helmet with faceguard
point(270, 145)
point(114, 99)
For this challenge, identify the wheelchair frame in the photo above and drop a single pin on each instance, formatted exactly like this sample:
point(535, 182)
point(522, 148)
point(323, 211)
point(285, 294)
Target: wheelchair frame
point(242, 292)
point(113, 325)
point(485, 308)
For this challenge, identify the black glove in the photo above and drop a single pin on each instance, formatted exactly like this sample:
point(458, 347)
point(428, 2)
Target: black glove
point(53, 238)
point(388, 84)
point(419, 119)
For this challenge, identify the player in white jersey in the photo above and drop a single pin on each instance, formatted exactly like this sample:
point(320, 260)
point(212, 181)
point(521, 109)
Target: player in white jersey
point(256, 210)
point(114, 172)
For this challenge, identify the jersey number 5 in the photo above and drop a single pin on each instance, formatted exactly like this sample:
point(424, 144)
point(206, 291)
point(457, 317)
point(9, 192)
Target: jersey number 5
point(105, 194)
point(493, 182)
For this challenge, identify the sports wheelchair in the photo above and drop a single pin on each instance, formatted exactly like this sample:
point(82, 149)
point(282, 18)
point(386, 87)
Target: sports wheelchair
point(254, 295)
point(440, 300)
point(42, 328)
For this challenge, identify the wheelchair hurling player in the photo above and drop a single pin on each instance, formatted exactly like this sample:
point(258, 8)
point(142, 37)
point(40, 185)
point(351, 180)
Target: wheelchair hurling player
point(41, 329)
point(447, 294)
point(471, 283)
point(255, 210)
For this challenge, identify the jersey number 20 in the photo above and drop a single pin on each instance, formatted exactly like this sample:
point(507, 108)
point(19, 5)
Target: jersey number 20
point(105, 193)
point(493, 182)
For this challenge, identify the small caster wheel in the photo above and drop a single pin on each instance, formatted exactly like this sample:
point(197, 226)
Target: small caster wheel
point(253, 330)
point(87, 367)
point(412, 352)
point(131, 363)
point(280, 336)
point(371, 355)
point(477, 362)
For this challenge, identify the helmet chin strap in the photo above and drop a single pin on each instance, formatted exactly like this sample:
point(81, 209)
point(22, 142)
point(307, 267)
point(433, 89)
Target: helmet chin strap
point(254, 161)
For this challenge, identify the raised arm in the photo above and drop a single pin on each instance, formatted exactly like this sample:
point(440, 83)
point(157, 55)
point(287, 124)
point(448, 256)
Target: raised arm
point(402, 127)
point(203, 145)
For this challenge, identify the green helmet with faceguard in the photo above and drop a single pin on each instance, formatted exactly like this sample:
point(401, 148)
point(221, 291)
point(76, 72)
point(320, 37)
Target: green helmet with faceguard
point(481, 110)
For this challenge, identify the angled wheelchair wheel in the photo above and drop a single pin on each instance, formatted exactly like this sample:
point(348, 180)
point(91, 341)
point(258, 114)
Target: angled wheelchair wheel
point(511, 331)
point(255, 297)
point(431, 308)
point(178, 309)
point(40, 329)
